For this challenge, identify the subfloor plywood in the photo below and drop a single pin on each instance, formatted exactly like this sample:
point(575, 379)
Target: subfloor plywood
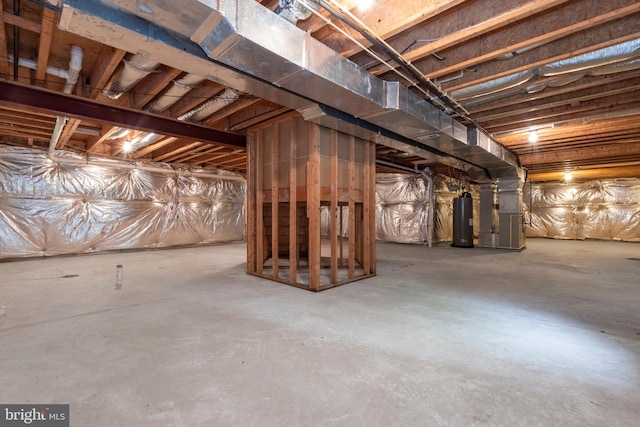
point(441, 336)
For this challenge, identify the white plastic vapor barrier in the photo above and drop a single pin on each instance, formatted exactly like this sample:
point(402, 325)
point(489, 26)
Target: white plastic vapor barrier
point(56, 207)
point(403, 208)
point(601, 209)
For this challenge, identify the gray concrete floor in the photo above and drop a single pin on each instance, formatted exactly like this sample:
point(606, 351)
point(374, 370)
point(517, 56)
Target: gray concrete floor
point(441, 337)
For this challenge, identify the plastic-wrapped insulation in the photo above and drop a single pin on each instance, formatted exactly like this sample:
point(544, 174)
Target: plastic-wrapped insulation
point(54, 208)
point(402, 208)
point(600, 209)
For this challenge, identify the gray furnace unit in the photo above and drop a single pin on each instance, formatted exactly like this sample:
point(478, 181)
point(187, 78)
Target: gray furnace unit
point(463, 221)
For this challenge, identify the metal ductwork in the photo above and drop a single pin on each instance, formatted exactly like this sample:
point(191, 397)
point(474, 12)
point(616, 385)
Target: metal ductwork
point(178, 89)
point(209, 107)
point(610, 60)
point(293, 11)
point(289, 68)
point(134, 70)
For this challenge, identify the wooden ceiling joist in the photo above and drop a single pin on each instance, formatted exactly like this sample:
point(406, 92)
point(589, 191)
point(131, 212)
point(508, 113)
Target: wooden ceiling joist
point(451, 39)
point(572, 45)
point(575, 17)
point(105, 66)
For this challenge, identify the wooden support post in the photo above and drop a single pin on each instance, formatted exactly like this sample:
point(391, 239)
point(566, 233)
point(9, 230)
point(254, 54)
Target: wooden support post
point(251, 202)
point(313, 206)
point(333, 209)
point(275, 201)
point(259, 206)
point(352, 207)
point(293, 207)
point(366, 206)
point(372, 212)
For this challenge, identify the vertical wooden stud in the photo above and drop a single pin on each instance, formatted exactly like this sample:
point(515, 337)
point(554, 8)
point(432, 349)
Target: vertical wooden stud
point(275, 201)
point(333, 209)
point(372, 212)
point(251, 202)
point(352, 210)
point(313, 206)
point(260, 237)
point(293, 207)
point(366, 206)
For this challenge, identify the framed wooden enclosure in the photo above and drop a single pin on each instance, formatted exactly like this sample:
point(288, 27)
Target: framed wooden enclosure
point(311, 204)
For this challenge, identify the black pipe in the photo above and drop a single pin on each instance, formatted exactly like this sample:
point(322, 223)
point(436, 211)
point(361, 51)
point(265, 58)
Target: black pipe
point(348, 118)
point(371, 38)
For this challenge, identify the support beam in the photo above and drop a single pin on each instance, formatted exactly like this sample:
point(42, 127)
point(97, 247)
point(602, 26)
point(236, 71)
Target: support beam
point(13, 94)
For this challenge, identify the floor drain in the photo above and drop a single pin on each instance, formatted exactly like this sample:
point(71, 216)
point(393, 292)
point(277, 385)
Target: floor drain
point(68, 276)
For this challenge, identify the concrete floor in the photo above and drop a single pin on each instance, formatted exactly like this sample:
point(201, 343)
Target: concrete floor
point(442, 336)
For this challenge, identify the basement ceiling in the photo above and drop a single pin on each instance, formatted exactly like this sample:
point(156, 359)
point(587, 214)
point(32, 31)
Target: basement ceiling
point(566, 72)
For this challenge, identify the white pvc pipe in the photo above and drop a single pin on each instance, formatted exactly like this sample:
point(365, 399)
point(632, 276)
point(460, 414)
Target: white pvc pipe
point(75, 65)
point(57, 131)
point(71, 75)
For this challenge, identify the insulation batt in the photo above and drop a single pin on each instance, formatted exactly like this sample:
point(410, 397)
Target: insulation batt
point(600, 209)
point(54, 208)
point(403, 208)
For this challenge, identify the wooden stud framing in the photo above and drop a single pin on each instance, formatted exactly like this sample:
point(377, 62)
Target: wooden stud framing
point(367, 206)
point(313, 206)
point(252, 167)
point(293, 207)
point(333, 209)
point(371, 178)
point(275, 201)
point(259, 206)
point(341, 192)
point(352, 208)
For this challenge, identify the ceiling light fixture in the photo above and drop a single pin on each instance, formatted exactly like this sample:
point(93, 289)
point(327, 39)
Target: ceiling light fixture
point(364, 4)
point(127, 146)
point(533, 136)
